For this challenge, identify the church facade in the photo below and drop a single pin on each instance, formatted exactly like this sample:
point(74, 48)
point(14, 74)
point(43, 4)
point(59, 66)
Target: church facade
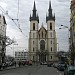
point(42, 41)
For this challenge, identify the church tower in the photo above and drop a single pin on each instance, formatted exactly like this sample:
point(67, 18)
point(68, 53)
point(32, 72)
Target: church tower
point(34, 20)
point(42, 41)
point(51, 41)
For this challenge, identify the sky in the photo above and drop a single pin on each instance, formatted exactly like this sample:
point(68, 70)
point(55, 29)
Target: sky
point(61, 8)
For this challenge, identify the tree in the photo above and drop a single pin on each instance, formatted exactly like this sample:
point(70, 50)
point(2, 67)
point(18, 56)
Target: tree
point(5, 41)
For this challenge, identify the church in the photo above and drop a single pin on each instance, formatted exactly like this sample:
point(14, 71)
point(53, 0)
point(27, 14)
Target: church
point(42, 41)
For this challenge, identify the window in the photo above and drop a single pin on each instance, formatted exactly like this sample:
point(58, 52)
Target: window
point(42, 45)
point(45, 35)
point(51, 34)
point(51, 42)
point(33, 49)
point(33, 58)
point(33, 26)
point(33, 42)
point(51, 49)
point(51, 57)
point(42, 34)
point(1, 27)
point(50, 26)
point(33, 35)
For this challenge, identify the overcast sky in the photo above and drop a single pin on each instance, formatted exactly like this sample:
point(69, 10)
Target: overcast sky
point(61, 8)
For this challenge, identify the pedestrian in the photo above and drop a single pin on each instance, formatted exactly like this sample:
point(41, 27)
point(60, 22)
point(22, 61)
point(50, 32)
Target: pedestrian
point(0, 66)
point(65, 65)
point(19, 63)
point(3, 65)
point(15, 63)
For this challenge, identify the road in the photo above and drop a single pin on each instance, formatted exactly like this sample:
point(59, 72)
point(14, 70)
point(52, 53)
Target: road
point(32, 70)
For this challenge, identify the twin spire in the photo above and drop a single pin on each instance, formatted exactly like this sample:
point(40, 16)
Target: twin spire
point(50, 16)
point(34, 8)
point(35, 16)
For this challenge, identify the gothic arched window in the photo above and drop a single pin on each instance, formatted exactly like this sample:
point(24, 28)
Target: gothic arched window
point(33, 26)
point(51, 57)
point(51, 49)
point(42, 45)
point(50, 26)
point(42, 34)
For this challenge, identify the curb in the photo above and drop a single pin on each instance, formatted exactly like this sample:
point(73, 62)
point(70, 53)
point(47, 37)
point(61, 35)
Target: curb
point(9, 68)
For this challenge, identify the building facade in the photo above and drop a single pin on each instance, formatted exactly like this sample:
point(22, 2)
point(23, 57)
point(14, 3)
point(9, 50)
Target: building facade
point(42, 42)
point(2, 38)
point(21, 56)
point(72, 30)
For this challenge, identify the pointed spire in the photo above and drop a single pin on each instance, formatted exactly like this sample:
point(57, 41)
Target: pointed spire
point(34, 8)
point(34, 14)
point(50, 9)
point(50, 16)
point(54, 15)
point(46, 14)
point(50, 5)
point(30, 15)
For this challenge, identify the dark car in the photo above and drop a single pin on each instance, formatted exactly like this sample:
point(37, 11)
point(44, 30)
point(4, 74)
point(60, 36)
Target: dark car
point(70, 70)
point(55, 65)
point(49, 64)
point(61, 66)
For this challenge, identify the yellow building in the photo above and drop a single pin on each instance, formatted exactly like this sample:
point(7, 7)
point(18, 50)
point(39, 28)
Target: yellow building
point(42, 41)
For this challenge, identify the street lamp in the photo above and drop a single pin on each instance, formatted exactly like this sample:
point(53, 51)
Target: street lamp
point(67, 28)
point(68, 31)
point(68, 39)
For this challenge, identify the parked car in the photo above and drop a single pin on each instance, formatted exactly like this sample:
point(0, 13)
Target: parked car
point(30, 62)
point(43, 63)
point(55, 65)
point(61, 66)
point(49, 64)
point(70, 70)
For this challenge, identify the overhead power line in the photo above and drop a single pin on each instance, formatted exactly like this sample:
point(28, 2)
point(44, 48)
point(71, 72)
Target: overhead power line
point(6, 13)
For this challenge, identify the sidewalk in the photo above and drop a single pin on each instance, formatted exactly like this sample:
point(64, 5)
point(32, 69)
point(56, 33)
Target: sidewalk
point(10, 67)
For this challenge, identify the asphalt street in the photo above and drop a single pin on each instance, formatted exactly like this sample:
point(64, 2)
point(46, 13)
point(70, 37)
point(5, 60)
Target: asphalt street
point(32, 70)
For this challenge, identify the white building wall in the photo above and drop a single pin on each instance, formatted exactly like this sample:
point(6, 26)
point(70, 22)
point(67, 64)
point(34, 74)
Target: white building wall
point(21, 56)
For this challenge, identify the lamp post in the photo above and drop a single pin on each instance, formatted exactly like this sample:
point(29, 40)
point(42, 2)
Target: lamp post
point(68, 31)
point(68, 36)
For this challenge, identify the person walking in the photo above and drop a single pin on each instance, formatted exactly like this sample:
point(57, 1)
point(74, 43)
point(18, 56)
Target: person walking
point(15, 63)
point(19, 63)
point(0, 66)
